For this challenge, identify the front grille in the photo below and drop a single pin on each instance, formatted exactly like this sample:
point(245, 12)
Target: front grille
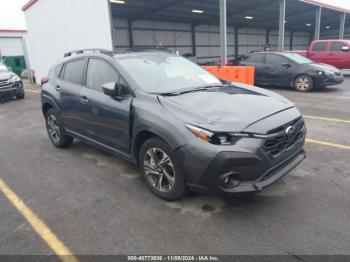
point(4, 82)
point(279, 142)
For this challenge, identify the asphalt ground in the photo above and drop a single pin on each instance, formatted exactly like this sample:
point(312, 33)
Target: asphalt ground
point(84, 201)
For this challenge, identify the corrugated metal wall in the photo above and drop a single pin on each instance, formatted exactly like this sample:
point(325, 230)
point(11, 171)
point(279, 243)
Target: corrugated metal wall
point(178, 36)
point(11, 46)
point(55, 27)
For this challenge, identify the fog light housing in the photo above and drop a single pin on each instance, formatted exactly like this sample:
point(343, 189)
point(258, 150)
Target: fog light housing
point(231, 179)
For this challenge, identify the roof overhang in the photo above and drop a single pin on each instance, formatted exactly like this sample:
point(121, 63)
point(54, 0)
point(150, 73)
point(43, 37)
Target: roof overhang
point(28, 5)
point(325, 5)
point(13, 31)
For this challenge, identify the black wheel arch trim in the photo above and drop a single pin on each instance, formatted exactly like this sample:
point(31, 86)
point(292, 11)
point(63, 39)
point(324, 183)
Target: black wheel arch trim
point(49, 100)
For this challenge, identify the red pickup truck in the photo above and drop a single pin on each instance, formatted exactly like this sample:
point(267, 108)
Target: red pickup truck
point(332, 52)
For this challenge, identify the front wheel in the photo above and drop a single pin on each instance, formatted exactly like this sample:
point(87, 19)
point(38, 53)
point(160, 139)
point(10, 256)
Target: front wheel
point(20, 96)
point(303, 83)
point(160, 170)
point(56, 131)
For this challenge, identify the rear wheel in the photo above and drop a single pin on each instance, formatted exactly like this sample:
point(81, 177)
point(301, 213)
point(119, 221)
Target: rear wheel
point(160, 170)
point(303, 83)
point(56, 131)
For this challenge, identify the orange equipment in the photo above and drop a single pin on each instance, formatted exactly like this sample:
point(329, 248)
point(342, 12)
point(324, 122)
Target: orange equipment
point(240, 74)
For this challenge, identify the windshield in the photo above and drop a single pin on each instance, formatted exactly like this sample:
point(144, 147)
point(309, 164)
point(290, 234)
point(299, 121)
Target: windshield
point(164, 73)
point(298, 58)
point(3, 69)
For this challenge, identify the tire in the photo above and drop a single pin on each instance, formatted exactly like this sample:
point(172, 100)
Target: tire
point(303, 83)
point(160, 170)
point(20, 96)
point(56, 131)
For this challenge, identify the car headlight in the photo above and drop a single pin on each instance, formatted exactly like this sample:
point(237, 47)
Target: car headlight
point(14, 78)
point(320, 72)
point(216, 138)
point(323, 72)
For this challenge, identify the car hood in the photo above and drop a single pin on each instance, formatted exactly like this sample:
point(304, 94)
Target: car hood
point(321, 66)
point(230, 108)
point(5, 75)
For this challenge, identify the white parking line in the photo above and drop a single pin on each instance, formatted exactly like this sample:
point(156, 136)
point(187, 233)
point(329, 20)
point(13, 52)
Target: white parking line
point(33, 91)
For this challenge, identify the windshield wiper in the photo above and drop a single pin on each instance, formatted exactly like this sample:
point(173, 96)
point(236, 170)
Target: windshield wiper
point(200, 88)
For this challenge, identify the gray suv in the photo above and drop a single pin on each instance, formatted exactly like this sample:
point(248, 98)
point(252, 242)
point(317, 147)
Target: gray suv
point(185, 128)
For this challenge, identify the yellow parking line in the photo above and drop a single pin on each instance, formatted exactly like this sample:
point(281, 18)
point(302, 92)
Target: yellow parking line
point(327, 144)
point(327, 119)
point(38, 225)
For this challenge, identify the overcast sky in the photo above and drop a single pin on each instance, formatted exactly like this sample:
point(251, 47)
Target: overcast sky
point(11, 16)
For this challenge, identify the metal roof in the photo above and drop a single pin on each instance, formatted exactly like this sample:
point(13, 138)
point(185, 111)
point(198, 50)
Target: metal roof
point(265, 13)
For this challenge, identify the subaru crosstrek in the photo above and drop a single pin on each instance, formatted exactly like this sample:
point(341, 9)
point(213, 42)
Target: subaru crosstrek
point(183, 126)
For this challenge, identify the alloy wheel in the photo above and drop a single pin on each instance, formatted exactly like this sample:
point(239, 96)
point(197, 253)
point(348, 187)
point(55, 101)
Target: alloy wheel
point(159, 170)
point(53, 128)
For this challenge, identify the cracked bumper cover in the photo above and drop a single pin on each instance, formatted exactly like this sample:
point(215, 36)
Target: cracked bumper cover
point(206, 166)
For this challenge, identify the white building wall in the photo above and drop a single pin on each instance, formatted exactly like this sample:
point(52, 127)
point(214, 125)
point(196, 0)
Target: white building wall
point(56, 27)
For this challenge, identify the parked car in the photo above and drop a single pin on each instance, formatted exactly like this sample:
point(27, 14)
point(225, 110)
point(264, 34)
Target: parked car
point(183, 126)
point(292, 70)
point(10, 83)
point(333, 52)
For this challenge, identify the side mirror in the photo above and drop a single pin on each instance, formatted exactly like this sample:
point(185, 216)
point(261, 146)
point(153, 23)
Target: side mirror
point(345, 48)
point(10, 68)
point(286, 65)
point(112, 90)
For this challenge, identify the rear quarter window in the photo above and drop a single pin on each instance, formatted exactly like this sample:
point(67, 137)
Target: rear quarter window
point(58, 70)
point(320, 46)
point(74, 71)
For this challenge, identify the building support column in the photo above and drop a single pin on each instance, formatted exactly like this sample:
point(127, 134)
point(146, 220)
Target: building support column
point(26, 59)
point(223, 32)
point(342, 25)
point(267, 40)
point(111, 22)
point(281, 29)
point(318, 23)
point(131, 37)
point(236, 43)
point(194, 43)
point(291, 40)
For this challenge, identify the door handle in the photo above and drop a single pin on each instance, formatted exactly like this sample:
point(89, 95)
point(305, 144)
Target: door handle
point(58, 88)
point(84, 100)
point(331, 54)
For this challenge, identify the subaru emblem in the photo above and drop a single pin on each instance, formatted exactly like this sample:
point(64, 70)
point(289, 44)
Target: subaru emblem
point(290, 131)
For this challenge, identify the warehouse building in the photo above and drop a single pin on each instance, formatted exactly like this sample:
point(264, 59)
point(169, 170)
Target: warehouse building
point(205, 29)
point(13, 49)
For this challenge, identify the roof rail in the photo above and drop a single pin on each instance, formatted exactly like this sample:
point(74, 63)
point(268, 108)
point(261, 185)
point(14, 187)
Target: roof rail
point(88, 50)
point(142, 49)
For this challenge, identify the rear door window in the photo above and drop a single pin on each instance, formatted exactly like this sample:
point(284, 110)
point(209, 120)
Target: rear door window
point(255, 58)
point(74, 71)
point(320, 46)
point(272, 59)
